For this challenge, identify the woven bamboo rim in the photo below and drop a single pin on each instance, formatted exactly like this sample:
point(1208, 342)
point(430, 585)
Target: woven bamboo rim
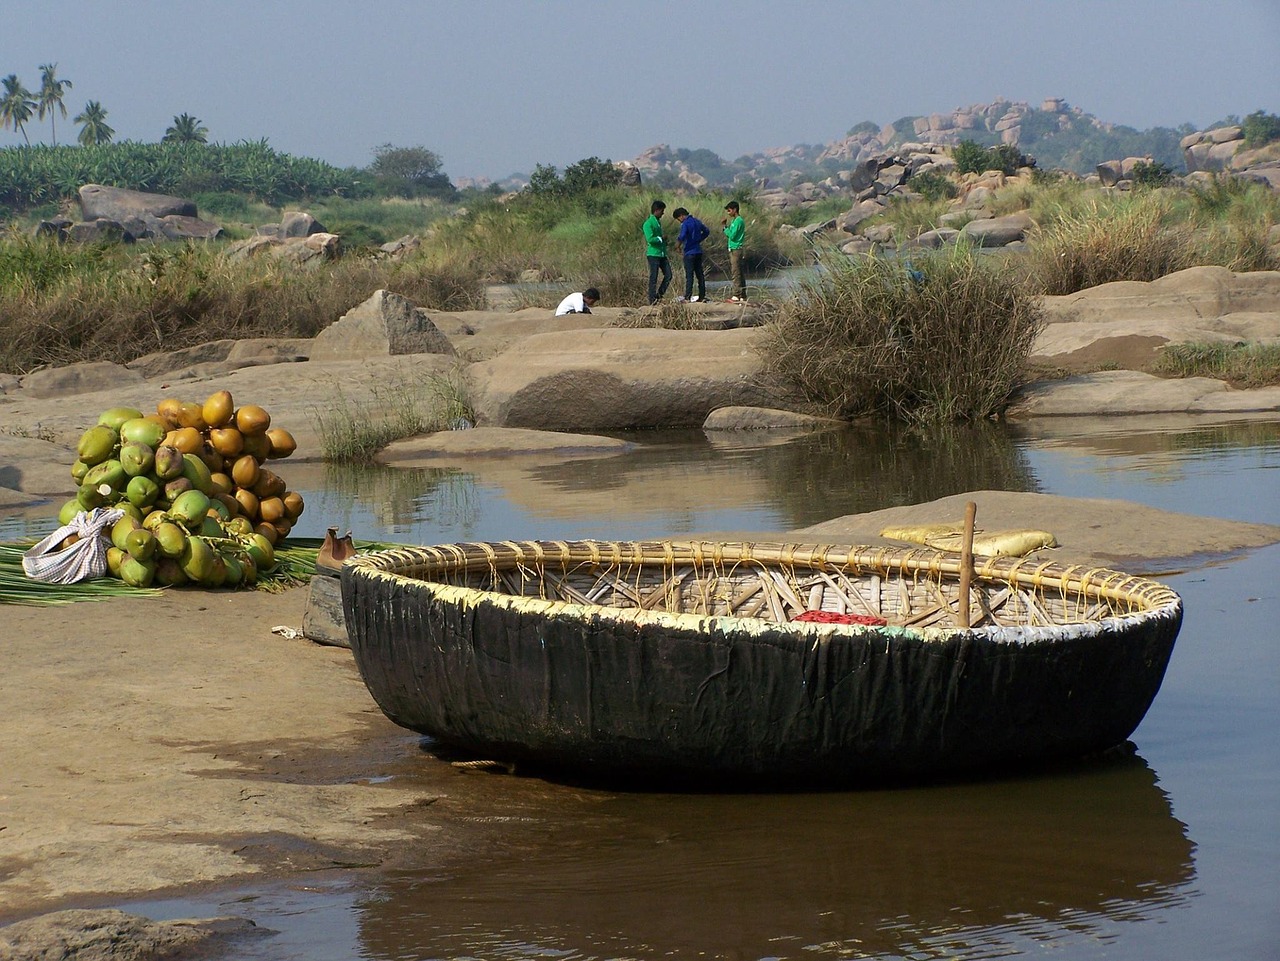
point(1138, 594)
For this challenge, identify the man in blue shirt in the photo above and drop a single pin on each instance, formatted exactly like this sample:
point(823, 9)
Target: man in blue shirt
point(692, 233)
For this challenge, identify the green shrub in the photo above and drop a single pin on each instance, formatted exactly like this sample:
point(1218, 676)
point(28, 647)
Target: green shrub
point(941, 340)
point(972, 157)
point(1260, 129)
point(933, 185)
point(1151, 174)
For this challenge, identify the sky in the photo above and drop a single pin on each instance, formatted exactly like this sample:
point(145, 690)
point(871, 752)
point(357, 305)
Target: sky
point(497, 86)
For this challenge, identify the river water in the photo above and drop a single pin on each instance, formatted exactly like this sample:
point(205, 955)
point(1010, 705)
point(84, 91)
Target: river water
point(1167, 849)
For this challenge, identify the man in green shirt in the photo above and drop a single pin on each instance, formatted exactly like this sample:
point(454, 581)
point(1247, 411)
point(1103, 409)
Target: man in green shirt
point(656, 251)
point(734, 229)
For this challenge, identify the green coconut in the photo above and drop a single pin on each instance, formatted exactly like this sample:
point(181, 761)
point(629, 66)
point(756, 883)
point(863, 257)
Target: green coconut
point(169, 572)
point(197, 471)
point(115, 557)
point(143, 430)
point(168, 462)
point(171, 539)
point(136, 458)
point(91, 497)
point(262, 552)
point(78, 470)
point(137, 573)
point(197, 560)
point(117, 416)
point(190, 509)
point(109, 472)
point(142, 491)
point(233, 573)
point(141, 544)
point(121, 529)
point(97, 444)
point(175, 488)
point(68, 511)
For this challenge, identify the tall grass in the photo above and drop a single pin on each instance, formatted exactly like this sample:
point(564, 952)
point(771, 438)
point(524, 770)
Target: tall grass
point(866, 337)
point(1104, 243)
point(1241, 365)
point(1145, 235)
point(65, 304)
point(353, 431)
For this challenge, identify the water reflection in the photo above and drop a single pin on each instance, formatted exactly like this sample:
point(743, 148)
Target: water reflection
point(980, 870)
point(670, 484)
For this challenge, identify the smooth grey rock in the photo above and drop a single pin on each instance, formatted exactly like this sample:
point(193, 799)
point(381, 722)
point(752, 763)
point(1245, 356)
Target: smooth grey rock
point(99, 232)
point(78, 379)
point(385, 324)
point(619, 379)
point(323, 620)
point(864, 210)
point(295, 223)
point(764, 418)
point(998, 231)
point(117, 203)
point(161, 362)
point(933, 239)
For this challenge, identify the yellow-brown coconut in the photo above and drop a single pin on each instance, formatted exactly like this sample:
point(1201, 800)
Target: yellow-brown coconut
point(252, 419)
point(218, 408)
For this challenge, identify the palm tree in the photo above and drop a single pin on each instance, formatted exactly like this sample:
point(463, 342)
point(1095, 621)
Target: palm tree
point(16, 106)
point(186, 129)
point(51, 90)
point(95, 129)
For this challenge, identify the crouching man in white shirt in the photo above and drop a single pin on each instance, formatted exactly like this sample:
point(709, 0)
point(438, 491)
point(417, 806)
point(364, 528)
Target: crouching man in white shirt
point(580, 303)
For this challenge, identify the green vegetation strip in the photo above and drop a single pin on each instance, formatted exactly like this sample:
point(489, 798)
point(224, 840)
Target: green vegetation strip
point(295, 564)
point(1241, 365)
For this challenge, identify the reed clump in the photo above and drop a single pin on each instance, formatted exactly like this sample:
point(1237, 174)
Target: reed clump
point(1243, 366)
point(353, 430)
point(943, 339)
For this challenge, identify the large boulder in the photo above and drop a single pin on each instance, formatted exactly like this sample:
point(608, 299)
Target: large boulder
point(998, 231)
point(385, 324)
point(78, 379)
point(117, 203)
point(621, 379)
point(140, 215)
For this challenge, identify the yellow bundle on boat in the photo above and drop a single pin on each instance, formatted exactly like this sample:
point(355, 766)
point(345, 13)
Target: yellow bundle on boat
point(949, 537)
point(920, 533)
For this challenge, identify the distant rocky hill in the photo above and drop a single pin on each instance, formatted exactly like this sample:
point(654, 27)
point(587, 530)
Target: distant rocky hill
point(1055, 133)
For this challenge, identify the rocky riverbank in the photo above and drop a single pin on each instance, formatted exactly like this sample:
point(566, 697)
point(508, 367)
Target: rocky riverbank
point(158, 743)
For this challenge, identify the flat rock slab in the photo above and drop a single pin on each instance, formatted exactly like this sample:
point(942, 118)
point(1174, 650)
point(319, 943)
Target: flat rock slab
point(1209, 304)
point(110, 935)
point(492, 442)
point(1104, 533)
point(1133, 392)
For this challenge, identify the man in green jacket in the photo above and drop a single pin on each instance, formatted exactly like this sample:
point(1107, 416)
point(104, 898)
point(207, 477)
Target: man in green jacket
point(656, 251)
point(734, 229)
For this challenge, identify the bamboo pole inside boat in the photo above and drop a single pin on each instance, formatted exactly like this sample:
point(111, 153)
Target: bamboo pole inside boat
point(966, 560)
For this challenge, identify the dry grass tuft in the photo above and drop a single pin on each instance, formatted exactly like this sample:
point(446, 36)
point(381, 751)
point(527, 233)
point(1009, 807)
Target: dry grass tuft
point(943, 339)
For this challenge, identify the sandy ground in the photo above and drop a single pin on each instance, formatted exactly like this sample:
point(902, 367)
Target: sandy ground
point(157, 743)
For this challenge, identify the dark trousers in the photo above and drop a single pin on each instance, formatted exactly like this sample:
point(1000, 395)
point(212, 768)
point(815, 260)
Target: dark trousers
point(656, 264)
point(693, 268)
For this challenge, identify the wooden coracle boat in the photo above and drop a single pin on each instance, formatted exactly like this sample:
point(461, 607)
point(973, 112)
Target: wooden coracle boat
point(685, 659)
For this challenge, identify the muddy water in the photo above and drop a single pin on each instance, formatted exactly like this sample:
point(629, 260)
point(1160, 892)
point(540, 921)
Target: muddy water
point(1168, 849)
